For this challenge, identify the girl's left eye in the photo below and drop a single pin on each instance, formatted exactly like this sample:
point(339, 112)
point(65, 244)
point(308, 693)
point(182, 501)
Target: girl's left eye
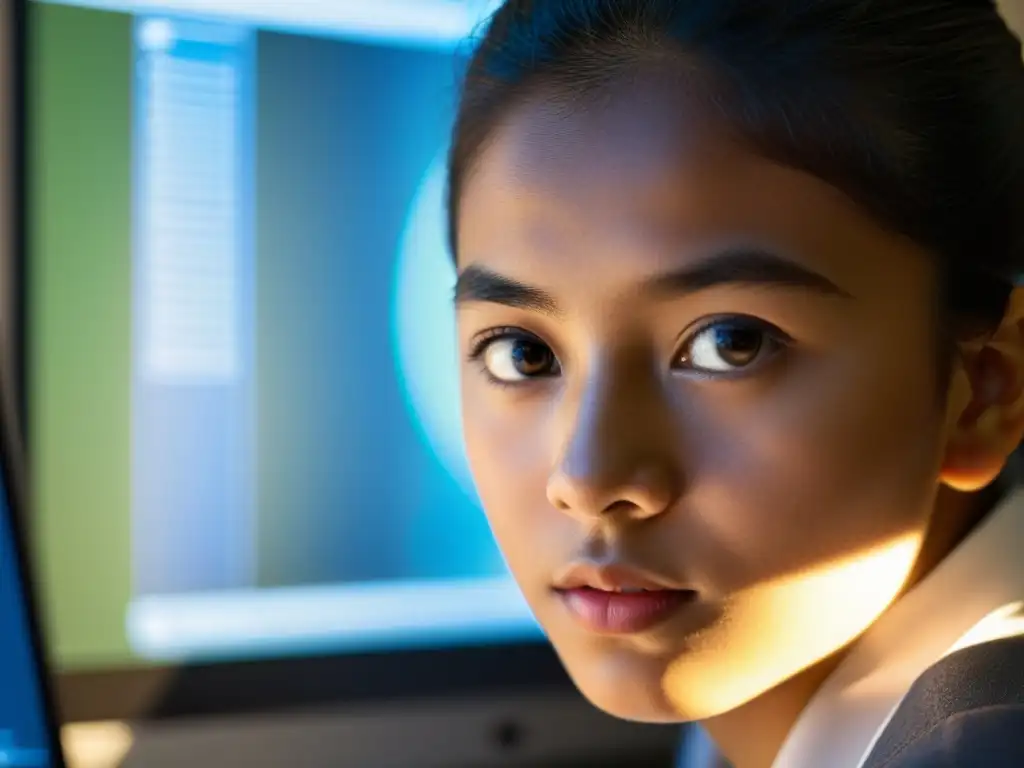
point(730, 345)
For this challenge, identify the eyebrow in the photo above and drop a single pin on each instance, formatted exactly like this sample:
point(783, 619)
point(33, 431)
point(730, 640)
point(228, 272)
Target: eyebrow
point(735, 266)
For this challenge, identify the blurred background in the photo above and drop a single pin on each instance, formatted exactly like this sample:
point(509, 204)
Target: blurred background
point(255, 534)
point(230, 328)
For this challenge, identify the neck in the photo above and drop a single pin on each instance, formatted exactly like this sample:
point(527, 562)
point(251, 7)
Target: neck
point(752, 735)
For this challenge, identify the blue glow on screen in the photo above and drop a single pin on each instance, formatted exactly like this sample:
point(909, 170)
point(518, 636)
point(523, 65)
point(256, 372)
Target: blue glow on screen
point(427, 24)
point(299, 482)
point(424, 318)
point(23, 719)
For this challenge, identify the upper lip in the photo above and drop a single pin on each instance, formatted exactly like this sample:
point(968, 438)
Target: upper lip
point(610, 578)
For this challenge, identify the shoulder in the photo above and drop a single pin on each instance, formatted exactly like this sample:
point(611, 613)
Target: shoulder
point(965, 711)
point(990, 737)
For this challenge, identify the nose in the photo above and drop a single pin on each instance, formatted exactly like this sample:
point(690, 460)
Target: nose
point(618, 457)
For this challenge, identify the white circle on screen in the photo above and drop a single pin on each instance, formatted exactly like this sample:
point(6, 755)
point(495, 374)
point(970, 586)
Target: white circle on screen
point(155, 35)
point(424, 326)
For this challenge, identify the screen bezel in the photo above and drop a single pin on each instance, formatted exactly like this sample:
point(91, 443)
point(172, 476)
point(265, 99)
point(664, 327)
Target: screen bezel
point(301, 683)
point(12, 241)
point(161, 692)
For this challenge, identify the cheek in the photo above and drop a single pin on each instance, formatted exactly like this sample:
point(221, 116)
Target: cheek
point(505, 442)
point(839, 457)
point(811, 502)
point(776, 628)
point(508, 444)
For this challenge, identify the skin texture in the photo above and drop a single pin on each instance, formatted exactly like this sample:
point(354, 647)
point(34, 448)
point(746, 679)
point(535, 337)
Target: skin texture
point(794, 492)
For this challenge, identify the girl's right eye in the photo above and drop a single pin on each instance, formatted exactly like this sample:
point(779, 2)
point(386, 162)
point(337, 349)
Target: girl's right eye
point(513, 356)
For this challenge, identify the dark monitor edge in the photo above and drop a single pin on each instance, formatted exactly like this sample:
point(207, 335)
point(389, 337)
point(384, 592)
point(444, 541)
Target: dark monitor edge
point(13, 31)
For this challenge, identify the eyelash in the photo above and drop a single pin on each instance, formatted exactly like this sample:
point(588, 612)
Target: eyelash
point(772, 333)
point(780, 339)
point(490, 336)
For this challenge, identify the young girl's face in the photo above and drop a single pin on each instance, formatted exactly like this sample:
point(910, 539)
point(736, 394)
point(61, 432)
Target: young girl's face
point(688, 368)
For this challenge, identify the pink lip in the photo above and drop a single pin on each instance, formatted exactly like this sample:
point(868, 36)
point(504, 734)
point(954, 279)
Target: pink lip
point(610, 578)
point(622, 613)
point(618, 599)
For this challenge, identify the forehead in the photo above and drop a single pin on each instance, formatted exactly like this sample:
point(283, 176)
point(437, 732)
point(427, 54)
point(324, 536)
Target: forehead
point(646, 173)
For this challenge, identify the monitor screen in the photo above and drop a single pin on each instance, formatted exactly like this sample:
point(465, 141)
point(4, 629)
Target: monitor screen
point(243, 385)
point(24, 723)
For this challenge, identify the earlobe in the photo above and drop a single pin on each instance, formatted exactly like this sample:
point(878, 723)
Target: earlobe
point(986, 404)
point(975, 452)
point(968, 470)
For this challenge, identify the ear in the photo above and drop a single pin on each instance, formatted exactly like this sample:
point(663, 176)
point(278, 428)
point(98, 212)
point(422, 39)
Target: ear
point(985, 419)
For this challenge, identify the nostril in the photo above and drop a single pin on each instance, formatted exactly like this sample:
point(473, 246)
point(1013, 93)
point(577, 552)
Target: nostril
point(620, 507)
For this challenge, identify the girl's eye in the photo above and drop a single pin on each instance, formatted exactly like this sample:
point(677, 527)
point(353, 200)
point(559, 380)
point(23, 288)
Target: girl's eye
point(513, 357)
point(730, 345)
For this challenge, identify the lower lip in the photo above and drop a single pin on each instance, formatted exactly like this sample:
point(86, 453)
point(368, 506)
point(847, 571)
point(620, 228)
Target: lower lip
point(623, 613)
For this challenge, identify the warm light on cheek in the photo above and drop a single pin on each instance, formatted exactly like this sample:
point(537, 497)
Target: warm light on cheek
point(775, 630)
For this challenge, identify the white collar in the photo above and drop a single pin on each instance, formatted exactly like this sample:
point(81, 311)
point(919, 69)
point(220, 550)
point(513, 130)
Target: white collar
point(974, 595)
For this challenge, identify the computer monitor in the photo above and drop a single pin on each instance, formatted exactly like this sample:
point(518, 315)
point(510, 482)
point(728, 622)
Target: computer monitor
point(250, 490)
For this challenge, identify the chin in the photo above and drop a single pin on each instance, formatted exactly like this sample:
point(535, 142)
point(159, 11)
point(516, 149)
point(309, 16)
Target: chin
point(648, 716)
point(627, 691)
point(637, 706)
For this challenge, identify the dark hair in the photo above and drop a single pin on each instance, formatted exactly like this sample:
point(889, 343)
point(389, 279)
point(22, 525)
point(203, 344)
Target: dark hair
point(913, 108)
